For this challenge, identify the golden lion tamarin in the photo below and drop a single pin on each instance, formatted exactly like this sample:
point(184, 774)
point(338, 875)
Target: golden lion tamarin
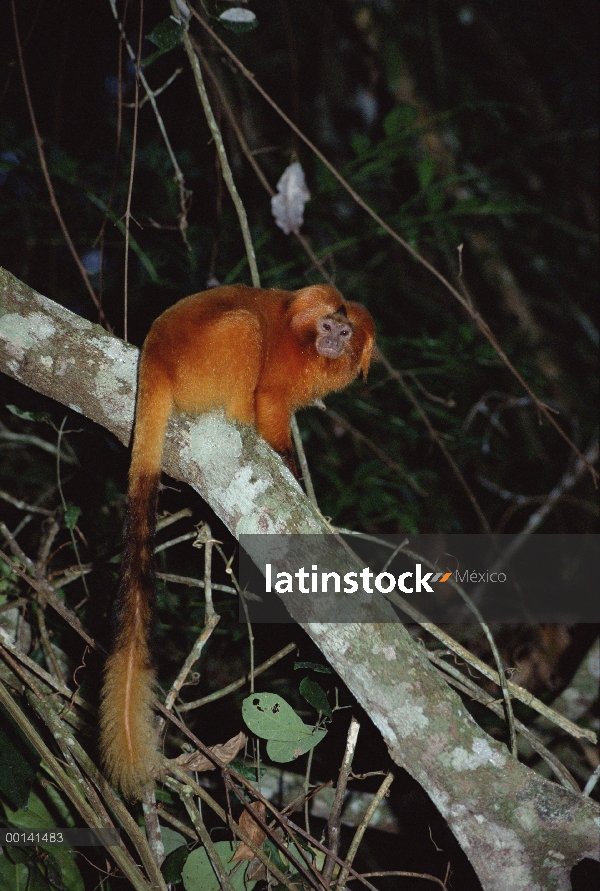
point(259, 355)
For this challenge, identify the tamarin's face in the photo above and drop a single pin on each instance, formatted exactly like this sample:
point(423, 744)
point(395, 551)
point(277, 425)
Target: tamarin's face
point(333, 333)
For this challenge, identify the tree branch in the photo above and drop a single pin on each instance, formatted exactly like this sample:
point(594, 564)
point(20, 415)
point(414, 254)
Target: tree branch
point(519, 830)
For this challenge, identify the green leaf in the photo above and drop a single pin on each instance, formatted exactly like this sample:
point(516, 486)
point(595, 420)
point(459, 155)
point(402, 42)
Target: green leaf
point(198, 873)
point(72, 514)
point(271, 717)
point(167, 35)
point(360, 143)
point(55, 871)
point(426, 171)
point(172, 840)
point(281, 750)
point(19, 762)
point(64, 871)
point(249, 772)
point(30, 415)
point(59, 869)
point(35, 816)
point(314, 666)
point(13, 871)
point(435, 201)
point(24, 858)
point(65, 166)
point(173, 864)
point(279, 859)
point(399, 120)
point(315, 696)
point(466, 333)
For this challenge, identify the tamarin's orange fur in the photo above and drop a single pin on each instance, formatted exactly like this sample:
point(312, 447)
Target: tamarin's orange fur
point(260, 355)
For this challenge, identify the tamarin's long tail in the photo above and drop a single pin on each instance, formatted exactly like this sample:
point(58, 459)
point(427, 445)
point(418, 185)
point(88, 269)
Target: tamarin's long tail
point(128, 736)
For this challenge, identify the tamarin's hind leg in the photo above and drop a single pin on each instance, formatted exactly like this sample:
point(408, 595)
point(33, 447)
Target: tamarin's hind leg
point(154, 407)
point(220, 368)
point(273, 424)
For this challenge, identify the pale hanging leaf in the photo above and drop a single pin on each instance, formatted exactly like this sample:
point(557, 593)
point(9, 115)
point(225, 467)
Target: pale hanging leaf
point(183, 9)
point(238, 19)
point(287, 205)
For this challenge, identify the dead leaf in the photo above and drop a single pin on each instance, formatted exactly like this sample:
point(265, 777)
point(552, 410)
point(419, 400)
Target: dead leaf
point(253, 829)
point(225, 752)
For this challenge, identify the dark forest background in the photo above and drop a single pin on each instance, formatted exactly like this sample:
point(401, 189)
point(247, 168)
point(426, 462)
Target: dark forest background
point(460, 124)
point(469, 127)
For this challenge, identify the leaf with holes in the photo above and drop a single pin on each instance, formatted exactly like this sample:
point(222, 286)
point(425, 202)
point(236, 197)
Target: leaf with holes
point(272, 718)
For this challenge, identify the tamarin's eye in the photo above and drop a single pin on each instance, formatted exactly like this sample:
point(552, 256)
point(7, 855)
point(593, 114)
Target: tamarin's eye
point(326, 326)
